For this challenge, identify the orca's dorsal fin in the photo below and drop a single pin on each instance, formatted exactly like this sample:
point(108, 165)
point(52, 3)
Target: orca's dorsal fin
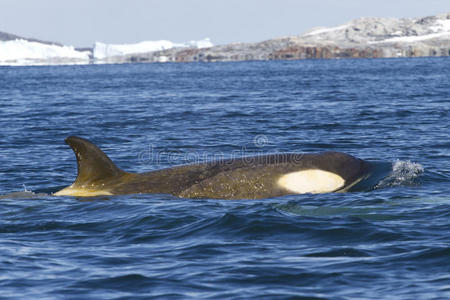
point(93, 164)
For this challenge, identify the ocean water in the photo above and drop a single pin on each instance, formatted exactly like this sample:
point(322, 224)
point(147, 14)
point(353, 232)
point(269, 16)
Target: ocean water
point(388, 242)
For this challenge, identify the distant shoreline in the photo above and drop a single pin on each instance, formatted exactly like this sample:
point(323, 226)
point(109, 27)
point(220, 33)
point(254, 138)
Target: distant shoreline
point(360, 38)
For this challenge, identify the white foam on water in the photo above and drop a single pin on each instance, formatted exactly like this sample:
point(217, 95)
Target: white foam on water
point(404, 172)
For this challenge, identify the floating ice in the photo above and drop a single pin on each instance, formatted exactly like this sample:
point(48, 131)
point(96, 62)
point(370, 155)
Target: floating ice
point(23, 52)
point(103, 51)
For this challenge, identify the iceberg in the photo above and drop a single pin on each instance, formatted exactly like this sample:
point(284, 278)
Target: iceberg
point(23, 52)
point(104, 51)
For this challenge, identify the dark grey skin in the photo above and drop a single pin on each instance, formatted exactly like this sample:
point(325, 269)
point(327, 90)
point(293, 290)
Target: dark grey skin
point(244, 178)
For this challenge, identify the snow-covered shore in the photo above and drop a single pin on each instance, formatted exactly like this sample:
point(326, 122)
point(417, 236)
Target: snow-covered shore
point(25, 52)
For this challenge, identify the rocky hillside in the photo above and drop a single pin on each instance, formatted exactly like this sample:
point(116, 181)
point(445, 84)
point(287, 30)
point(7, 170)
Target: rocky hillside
point(364, 37)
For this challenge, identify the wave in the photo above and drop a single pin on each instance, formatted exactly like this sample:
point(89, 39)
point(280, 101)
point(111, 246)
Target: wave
point(23, 195)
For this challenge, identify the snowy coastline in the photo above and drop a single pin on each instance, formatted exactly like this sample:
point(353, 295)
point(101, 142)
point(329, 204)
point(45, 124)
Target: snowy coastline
point(21, 52)
point(360, 38)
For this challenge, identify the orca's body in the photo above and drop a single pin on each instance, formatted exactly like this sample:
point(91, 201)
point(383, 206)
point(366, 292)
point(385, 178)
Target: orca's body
point(244, 178)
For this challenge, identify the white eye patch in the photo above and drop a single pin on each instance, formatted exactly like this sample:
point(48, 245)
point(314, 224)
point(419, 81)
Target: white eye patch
point(311, 181)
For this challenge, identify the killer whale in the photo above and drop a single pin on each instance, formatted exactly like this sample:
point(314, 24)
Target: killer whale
point(257, 177)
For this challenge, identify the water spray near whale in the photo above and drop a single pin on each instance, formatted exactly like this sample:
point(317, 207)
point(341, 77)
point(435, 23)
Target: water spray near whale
point(257, 177)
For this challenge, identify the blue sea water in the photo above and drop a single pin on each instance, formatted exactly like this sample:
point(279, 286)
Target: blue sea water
point(390, 242)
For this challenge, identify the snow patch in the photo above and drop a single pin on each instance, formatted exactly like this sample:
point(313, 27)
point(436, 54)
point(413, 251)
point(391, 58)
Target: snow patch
point(410, 39)
point(325, 30)
point(442, 28)
point(442, 25)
